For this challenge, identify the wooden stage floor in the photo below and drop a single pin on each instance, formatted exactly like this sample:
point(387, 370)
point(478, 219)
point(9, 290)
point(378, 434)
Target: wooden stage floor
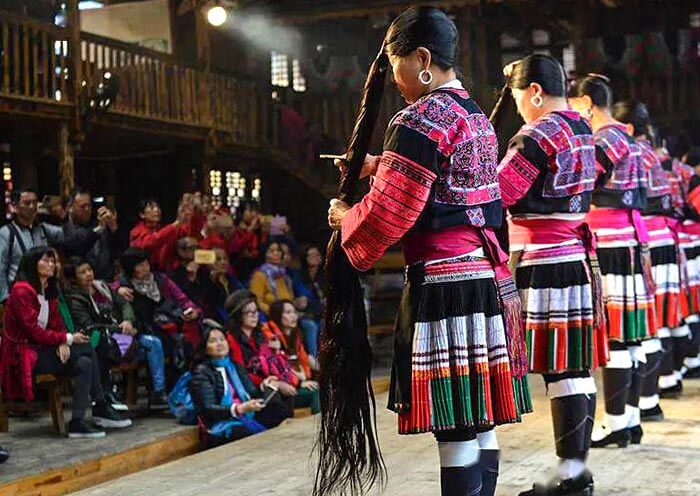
point(277, 462)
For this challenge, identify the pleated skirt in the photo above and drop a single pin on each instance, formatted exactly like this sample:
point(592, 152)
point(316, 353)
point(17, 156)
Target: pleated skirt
point(666, 274)
point(451, 367)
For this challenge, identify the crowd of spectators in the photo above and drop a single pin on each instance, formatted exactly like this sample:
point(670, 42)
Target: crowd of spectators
point(217, 305)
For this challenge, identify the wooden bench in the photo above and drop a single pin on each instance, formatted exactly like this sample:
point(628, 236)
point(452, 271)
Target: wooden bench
point(130, 371)
point(53, 386)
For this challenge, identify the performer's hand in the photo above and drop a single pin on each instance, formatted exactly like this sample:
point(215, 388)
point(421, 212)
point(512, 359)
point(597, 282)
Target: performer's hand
point(336, 213)
point(369, 166)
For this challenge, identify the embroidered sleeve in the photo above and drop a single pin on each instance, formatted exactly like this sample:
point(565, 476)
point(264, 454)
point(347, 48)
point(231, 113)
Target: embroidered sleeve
point(396, 198)
point(519, 169)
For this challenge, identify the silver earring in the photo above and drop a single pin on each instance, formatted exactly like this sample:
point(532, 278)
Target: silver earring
point(589, 113)
point(537, 101)
point(425, 76)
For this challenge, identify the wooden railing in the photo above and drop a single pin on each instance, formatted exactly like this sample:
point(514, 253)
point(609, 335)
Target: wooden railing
point(33, 60)
point(670, 99)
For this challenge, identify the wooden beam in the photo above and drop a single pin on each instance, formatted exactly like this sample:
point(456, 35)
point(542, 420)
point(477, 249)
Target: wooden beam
point(66, 159)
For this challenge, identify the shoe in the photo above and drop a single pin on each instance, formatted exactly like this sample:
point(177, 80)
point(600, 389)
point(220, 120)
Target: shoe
point(580, 486)
point(4, 455)
point(158, 400)
point(621, 438)
point(116, 402)
point(636, 434)
point(78, 429)
point(105, 416)
point(655, 414)
point(693, 373)
point(672, 392)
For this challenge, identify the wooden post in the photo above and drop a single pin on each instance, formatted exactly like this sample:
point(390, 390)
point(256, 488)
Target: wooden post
point(201, 28)
point(66, 159)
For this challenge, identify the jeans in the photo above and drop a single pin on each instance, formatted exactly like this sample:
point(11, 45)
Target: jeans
point(152, 348)
point(309, 328)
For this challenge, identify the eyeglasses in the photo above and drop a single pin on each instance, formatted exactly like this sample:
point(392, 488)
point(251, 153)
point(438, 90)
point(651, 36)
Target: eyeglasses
point(249, 312)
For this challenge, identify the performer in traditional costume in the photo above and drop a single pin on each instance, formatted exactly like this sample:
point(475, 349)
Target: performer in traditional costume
point(546, 179)
point(657, 216)
point(459, 364)
point(690, 241)
point(622, 242)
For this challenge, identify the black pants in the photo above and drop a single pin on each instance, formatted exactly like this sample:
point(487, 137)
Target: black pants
point(271, 416)
point(83, 367)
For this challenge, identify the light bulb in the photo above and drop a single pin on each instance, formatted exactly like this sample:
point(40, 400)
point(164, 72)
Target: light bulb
point(216, 15)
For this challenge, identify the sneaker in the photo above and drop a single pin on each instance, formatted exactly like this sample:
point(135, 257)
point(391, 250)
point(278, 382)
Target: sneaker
point(158, 400)
point(672, 392)
point(78, 429)
point(621, 438)
point(4, 455)
point(116, 403)
point(105, 416)
point(580, 486)
point(652, 414)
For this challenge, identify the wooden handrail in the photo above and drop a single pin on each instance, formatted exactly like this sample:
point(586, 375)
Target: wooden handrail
point(14, 18)
point(129, 47)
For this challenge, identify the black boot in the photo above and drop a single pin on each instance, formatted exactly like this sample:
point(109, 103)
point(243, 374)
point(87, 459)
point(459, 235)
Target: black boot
point(580, 486)
point(671, 393)
point(489, 471)
point(4, 455)
point(158, 401)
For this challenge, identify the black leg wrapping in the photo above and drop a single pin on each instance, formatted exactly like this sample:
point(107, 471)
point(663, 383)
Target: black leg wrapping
point(680, 350)
point(591, 398)
point(693, 348)
point(460, 481)
point(572, 426)
point(667, 357)
point(489, 472)
point(638, 373)
point(650, 374)
point(616, 384)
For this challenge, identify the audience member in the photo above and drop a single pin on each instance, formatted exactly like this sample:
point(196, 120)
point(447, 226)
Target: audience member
point(283, 325)
point(270, 282)
point(36, 341)
point(250, 238)
point(24, 233)
point(223, 284)
point(159, 241)
point(160, 309)
point(96, 307)
point(190, 277)
point(228, 404)
point(101, 255)
point(313, 277)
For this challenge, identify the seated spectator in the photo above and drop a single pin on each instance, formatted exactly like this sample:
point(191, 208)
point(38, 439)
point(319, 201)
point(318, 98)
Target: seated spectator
point(52, 210)
point(250, 347)
point(159, 241)
point(218, 232)
point(283, 325)
point(190, 277)
point(228, 404)
point(24, 233)
point(309, 323)
point(160, 309)
point(313, 277)
point(94, 304)
point(36, 342)
point(223, 284)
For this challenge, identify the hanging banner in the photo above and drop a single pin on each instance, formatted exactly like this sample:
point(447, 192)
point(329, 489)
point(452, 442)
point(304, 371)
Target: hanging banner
point(145, 23)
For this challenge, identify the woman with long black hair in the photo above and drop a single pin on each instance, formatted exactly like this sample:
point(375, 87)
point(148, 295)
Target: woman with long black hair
point(459, 358)
point(547, 178)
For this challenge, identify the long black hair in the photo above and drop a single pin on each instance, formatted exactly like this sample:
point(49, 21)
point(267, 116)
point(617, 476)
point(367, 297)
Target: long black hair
point(350, 461)
point(595, 86)
point(29, 272)
point(542, 69)
point(636, 113)
point(200, 353)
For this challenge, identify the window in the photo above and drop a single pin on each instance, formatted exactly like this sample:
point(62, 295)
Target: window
point(540, 37)
point(569, 58)
point(298, 80)
point(279, 70)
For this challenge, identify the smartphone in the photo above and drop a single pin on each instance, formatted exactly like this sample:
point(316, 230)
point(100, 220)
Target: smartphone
point(99, 201)
point(204, 257)
point(270, 392)
point(188, 311)
point(276, 225)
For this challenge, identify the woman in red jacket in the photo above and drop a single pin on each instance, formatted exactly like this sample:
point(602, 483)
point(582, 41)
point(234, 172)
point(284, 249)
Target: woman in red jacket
point(35, 341)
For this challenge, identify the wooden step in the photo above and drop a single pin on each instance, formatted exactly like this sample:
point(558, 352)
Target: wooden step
point(97, 471)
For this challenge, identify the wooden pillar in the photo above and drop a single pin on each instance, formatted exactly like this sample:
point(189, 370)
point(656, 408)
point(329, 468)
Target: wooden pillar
point(23, 157)
point(66, 159)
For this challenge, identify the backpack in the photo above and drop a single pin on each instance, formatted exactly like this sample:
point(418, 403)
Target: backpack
point(180, 401)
